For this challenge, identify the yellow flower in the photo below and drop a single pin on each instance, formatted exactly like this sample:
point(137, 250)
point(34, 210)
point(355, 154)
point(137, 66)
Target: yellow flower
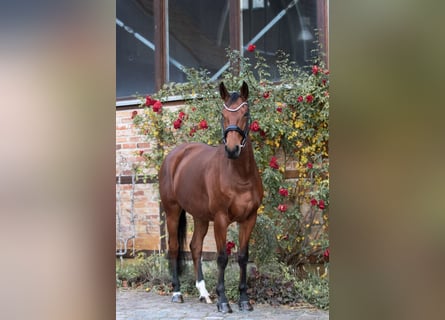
point(298, 124)
point(277, 142)
point(260, 209)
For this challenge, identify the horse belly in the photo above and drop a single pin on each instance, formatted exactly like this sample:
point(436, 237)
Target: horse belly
point(191, 193)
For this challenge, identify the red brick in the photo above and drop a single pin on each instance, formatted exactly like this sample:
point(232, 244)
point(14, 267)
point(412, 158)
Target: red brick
point(121, 139)
point(143, 145)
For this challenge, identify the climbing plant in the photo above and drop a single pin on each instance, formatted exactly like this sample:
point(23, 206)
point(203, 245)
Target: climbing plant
point(289, 132)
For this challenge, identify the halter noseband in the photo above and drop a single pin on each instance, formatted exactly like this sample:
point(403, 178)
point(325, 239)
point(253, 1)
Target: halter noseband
point(244, 133)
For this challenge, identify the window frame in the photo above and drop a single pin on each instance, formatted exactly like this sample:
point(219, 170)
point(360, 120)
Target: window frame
point(160, 15)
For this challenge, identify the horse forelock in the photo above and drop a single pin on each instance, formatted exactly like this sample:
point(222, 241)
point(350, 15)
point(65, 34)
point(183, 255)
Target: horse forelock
point(233, 97)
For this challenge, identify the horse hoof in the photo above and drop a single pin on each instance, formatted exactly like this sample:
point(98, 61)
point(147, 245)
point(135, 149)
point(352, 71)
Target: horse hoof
point(205, 300)
point(224, 307)
point(245, 306)
point(177, 298)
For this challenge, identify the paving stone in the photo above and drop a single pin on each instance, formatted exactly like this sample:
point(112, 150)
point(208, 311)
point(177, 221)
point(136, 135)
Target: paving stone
point(136, 304)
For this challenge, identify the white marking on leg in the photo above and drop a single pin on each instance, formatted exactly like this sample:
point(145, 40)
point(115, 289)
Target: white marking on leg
point(178, 293)
point(201, 286)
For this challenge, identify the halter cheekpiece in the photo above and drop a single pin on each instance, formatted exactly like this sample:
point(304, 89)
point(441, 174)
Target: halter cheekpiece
point(244, 133)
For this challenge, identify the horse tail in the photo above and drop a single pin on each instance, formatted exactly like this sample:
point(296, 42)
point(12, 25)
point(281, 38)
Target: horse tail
point(182, 239)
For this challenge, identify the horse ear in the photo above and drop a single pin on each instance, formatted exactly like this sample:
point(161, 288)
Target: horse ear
point(244, 91)
point(223, 91)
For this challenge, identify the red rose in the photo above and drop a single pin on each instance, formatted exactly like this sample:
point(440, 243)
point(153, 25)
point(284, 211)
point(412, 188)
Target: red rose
point(309, 98)
point(181, 115)
point(134, 114)
point(266, 95)
point(203, 124)
point(273, 163)
point(157, 106)
point(300, 99)
point(279, 109)
point(229, 246)
point(251, 48)
point(309, 165)
point(282, 207)
point(177, 123)
point(326, 254)
point(321, 204)
point(149, 101)
point(254, 126)
point(284, 192)
point(192, 132)
point(314, 202)
point(315, 70)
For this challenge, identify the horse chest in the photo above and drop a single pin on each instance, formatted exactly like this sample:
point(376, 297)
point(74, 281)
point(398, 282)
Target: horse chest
point(242, 205)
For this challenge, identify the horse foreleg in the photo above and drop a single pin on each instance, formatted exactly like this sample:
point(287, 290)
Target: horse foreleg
point(200, 230)
point(220, 228)
point(245, 230)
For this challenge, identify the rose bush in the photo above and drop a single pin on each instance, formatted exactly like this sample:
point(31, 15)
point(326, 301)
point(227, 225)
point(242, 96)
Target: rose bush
point(289, 132)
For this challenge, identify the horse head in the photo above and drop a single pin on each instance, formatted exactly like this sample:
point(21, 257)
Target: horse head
point(235, 120)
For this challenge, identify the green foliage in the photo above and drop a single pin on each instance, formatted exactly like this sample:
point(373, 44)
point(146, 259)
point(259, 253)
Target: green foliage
point(314, 289)
point(142, 269)
point(289, 133)
point(275, 284)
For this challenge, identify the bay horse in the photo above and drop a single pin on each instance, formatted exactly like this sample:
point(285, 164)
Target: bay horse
point(220, 184)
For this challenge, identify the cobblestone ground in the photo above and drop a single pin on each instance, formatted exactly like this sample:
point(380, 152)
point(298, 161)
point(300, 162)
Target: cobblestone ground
point(138, 304)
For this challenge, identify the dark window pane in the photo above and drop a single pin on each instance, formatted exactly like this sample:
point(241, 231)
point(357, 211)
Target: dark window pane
point(198, 35)
point(134, 47)
point(291, 30)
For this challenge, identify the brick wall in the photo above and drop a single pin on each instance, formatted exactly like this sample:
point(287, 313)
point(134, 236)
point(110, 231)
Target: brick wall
point(146, 204)
point(145, 224)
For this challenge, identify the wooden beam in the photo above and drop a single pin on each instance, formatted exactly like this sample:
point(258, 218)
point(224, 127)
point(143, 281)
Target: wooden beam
point(160, 39)
point(235, 29)
point(235, 24)
point(323, 26)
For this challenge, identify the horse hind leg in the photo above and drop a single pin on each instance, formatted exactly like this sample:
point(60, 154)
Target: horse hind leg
point(177, 227)
point(200, 230)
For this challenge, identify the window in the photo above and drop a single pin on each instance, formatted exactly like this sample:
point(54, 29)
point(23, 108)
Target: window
point(196, 33)
point(134, 48)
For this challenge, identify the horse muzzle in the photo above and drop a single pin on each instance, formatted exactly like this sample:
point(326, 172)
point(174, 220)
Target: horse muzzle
point(233, 153)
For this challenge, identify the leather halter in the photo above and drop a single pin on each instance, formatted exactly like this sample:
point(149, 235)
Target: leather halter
point(244, 133)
